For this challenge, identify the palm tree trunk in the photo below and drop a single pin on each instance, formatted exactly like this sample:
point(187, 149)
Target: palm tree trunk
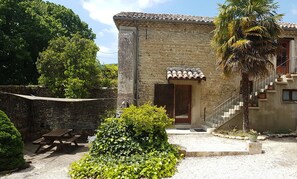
point(245, 96)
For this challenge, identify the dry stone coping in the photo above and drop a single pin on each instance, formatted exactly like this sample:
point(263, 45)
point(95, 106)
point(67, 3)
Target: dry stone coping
point(260, 137)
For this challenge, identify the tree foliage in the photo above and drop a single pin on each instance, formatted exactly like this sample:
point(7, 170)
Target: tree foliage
point(11, 145)
point(245, 37)
point(26, 27)
point(68, 67)
point(109, 76)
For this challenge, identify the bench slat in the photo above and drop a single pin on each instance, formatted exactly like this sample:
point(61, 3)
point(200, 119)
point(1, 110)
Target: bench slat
point(72, 139)
point(38, 141)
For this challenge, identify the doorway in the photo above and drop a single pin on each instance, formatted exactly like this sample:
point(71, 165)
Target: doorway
point(182, 107)
point(283, 62)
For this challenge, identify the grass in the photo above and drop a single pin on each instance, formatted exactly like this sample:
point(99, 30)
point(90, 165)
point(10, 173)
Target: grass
point(233, 132)
point(240, 133)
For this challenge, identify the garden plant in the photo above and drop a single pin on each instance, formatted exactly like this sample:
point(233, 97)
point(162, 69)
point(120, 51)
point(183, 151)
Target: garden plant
point(11, 145)
point(133, 146)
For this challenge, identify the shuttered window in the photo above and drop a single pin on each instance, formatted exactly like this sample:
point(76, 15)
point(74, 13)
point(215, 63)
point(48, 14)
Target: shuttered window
point(164, 96)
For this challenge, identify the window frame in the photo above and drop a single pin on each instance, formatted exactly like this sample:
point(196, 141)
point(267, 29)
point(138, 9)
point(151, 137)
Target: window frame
point(290, 95)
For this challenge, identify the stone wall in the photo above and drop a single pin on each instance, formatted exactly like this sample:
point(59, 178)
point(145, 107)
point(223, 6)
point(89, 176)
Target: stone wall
point(163, 45)
point(18, 110)
point(26, 90)
point(82, 116)
point(44, 92)
point(34, 116)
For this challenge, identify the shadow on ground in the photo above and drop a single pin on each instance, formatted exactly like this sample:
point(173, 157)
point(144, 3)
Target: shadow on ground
point(52, 163)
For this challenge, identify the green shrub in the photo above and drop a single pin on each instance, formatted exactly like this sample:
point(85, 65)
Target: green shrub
point(148, 123)
point(114, 138)
point(147, 165)
point(146, 118)
point(11, 145)
point(134, 146)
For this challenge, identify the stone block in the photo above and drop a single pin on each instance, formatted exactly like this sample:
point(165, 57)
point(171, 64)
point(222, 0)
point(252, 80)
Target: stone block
point(254, 147)
point(210, 130)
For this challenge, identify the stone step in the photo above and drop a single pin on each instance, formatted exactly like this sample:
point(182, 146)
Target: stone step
point(182, 126)
point(237, 107)
point(210, 124)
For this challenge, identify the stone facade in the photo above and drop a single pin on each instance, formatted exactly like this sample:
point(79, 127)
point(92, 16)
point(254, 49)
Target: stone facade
point(168, 40)
point(162, 46)
point(127, 64)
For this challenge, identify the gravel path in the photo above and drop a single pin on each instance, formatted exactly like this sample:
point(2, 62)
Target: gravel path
point(207, 142)
point(53, 164)
point(279, 161)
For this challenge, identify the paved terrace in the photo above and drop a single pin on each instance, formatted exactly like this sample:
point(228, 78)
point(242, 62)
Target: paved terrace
point(278, 161)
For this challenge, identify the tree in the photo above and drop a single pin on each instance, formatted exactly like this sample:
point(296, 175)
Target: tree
point(26, 27)
point(245, 36)
point(109, 75)
point(11, 145)
point(68, 67)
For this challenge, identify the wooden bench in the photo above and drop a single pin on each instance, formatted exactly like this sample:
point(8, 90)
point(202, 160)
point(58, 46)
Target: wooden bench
point(56, 137)
point(72, 139)
point(41, 142)
point(38, 141)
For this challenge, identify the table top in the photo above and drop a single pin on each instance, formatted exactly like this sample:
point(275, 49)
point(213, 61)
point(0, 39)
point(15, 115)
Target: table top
point(57, 133)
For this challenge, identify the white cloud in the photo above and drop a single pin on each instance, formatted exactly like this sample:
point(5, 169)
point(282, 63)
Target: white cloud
point(105, 50)
point(108, 54)
point(99, 34)
point(103, 12)
point(143, 4)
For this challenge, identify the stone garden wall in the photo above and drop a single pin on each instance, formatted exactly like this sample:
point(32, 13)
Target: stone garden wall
point(34, 116)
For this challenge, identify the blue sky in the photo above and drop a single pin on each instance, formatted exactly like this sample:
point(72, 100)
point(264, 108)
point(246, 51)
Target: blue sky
point(98, 15)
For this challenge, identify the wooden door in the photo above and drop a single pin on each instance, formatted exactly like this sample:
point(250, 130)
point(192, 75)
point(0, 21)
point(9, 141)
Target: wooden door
point(283, 62)
point(182, 103)
point(164, 96)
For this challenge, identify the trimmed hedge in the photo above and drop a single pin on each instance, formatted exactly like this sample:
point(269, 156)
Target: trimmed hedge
point(11, 145)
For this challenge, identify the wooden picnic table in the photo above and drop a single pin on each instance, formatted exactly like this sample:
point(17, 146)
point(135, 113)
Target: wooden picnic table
point(63, 136)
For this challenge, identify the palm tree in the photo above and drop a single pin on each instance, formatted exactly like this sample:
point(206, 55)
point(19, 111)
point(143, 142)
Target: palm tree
point(245, 38)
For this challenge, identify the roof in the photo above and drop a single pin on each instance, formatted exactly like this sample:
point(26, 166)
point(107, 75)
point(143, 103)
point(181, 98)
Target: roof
point(131, 17)
point(182, 73)
point(139, 16)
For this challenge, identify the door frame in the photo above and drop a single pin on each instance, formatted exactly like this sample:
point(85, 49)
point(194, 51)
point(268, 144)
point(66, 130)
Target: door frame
point(181, 120)
point(283, 66)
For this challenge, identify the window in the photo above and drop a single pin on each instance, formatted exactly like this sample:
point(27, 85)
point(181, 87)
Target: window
point(290, 95)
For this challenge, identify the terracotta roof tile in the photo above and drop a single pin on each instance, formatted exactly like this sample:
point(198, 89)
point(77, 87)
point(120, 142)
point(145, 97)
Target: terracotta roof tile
point(287, 25)
point(170, 17)
point(177, 18)
point(185, 73)
point(139, 16)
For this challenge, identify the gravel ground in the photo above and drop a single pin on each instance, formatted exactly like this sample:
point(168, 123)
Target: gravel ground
point(207, 142)
point(53, 164)
point(279, 161)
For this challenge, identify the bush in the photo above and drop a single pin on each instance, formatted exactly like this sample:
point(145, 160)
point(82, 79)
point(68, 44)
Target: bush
point(133, 146)
point(11, 145)
point(114, 138)
point(148, 123)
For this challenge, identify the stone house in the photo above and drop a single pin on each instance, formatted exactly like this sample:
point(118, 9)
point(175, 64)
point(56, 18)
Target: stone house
point(168, 59)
